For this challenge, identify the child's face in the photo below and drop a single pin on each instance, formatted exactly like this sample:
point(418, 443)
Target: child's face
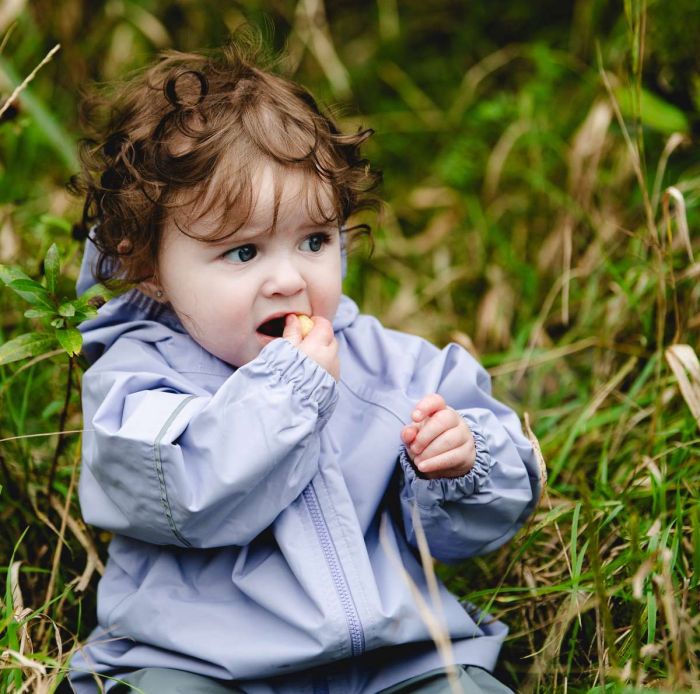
point(227, 294)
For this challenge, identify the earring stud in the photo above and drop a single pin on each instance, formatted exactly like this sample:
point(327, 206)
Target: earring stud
point(159, 294)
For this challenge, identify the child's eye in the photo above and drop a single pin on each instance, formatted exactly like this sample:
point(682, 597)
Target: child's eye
point(315, 242)
point(242, 254)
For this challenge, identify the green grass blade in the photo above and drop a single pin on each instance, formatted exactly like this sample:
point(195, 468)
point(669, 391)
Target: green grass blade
point(50, 126)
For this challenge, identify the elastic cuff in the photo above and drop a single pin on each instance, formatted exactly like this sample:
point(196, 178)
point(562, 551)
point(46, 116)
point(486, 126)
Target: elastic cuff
point(441, 489)
point(286, 364)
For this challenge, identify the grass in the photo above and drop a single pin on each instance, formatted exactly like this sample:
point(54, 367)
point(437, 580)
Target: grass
point(534, 215)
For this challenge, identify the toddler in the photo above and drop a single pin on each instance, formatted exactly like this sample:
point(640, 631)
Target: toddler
point(245, 464)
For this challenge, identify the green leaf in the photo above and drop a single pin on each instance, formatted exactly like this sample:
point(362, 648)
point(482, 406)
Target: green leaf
point(28, 285)
point(51, 410)
point(39, 313)
point(33, 292)
point(27, 345)
point(86, 313)
point(66, 309)
point(71, 340)
point(97, 290)
point(653, 111)
point(52, 265)
point(57, 222)
point(87, 303)
point(58, 322)
point(9, 274)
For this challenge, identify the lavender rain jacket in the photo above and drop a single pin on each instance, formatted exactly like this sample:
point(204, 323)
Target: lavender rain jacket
point(246, 504)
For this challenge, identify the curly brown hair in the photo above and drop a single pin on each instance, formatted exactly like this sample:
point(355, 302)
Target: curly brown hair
point(193, 130)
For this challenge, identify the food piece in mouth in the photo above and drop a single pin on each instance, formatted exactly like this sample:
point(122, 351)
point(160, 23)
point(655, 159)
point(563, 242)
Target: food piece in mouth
point(306, 324)
point(273, 327)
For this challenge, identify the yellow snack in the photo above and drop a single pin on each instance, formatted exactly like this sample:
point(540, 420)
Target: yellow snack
point(306, 324)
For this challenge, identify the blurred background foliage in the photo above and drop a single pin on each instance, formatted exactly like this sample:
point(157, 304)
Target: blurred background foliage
point(527, 150)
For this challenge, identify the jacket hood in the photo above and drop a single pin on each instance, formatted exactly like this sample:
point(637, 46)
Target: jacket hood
point(133, 310)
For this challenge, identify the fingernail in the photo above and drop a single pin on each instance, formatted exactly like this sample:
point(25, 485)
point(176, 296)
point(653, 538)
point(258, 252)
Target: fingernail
point(416, 413)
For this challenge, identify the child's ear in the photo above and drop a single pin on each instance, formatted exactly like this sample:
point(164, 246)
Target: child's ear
point(152, 289)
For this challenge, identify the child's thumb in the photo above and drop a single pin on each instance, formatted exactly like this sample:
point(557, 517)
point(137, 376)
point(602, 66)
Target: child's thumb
point(292, 329)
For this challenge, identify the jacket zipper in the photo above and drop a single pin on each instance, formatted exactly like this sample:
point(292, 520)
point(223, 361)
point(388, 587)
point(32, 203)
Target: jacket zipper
point(357, 637)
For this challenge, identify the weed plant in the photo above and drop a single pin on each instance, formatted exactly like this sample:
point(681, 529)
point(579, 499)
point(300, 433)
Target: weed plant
point(541, 190)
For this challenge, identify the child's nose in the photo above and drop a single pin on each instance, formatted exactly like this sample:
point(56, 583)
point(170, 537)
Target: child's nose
point(285, 279)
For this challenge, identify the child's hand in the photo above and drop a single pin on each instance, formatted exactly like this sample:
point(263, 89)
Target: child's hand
point(320, 344)
point(439, 441)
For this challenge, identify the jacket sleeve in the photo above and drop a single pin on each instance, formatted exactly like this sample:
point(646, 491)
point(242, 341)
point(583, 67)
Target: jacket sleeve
point(168, 463)
point(476, 513)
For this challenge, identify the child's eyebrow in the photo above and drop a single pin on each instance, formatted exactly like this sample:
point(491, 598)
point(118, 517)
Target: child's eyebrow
point(244, 236)
point(237, 238)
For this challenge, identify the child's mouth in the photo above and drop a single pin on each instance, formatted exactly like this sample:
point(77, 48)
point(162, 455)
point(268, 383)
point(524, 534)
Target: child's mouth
point(273, 327)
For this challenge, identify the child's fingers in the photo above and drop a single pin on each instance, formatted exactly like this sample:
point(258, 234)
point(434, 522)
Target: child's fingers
point(452, 438)
point(292, 329)
point(321, 346)
point(322, 332)
point(453, 463)
point(439, 422)
point(408, 434)
point(428, 406)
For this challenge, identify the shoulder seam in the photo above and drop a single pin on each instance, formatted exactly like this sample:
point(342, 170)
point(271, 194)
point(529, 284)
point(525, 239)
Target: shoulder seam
point(157, 460)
